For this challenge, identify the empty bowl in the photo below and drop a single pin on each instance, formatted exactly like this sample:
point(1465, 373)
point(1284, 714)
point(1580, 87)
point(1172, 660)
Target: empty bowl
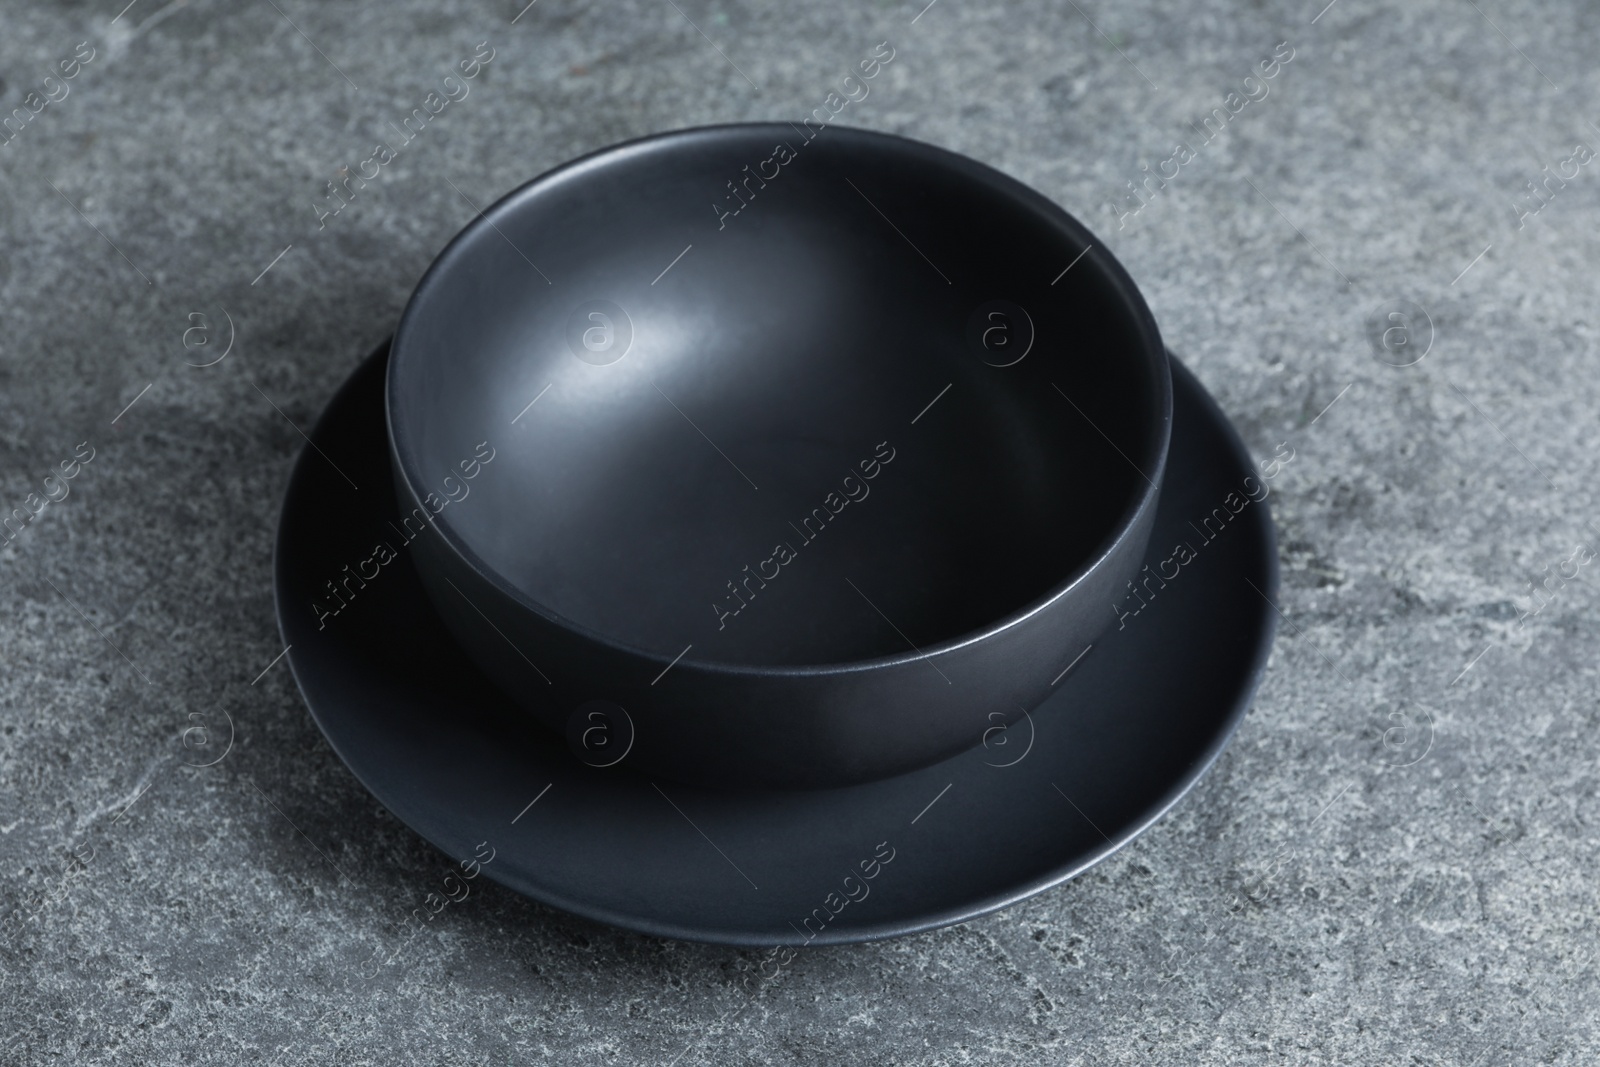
point(760, 456)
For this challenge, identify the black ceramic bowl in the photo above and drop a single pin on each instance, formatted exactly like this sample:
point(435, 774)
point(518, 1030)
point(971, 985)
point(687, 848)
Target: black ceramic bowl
point(755, 455)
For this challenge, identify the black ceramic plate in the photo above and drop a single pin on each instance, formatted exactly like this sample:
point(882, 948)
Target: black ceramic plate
point(1131, 726)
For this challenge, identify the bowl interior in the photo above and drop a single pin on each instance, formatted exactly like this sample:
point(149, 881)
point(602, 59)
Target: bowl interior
point(793, 401)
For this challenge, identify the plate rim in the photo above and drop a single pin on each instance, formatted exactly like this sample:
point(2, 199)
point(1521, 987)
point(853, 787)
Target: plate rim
point(1197, 768)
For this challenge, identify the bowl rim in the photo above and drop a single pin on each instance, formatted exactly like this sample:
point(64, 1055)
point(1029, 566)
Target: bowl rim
point(1152, 450)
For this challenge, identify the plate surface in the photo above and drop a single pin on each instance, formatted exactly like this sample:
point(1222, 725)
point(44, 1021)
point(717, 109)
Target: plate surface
point(1131, 726)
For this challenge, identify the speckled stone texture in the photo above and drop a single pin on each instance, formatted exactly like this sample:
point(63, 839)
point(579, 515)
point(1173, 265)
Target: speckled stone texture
point(1393, 863)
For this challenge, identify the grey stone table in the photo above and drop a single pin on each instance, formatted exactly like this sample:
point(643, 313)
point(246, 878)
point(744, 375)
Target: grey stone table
point(1393, 863)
